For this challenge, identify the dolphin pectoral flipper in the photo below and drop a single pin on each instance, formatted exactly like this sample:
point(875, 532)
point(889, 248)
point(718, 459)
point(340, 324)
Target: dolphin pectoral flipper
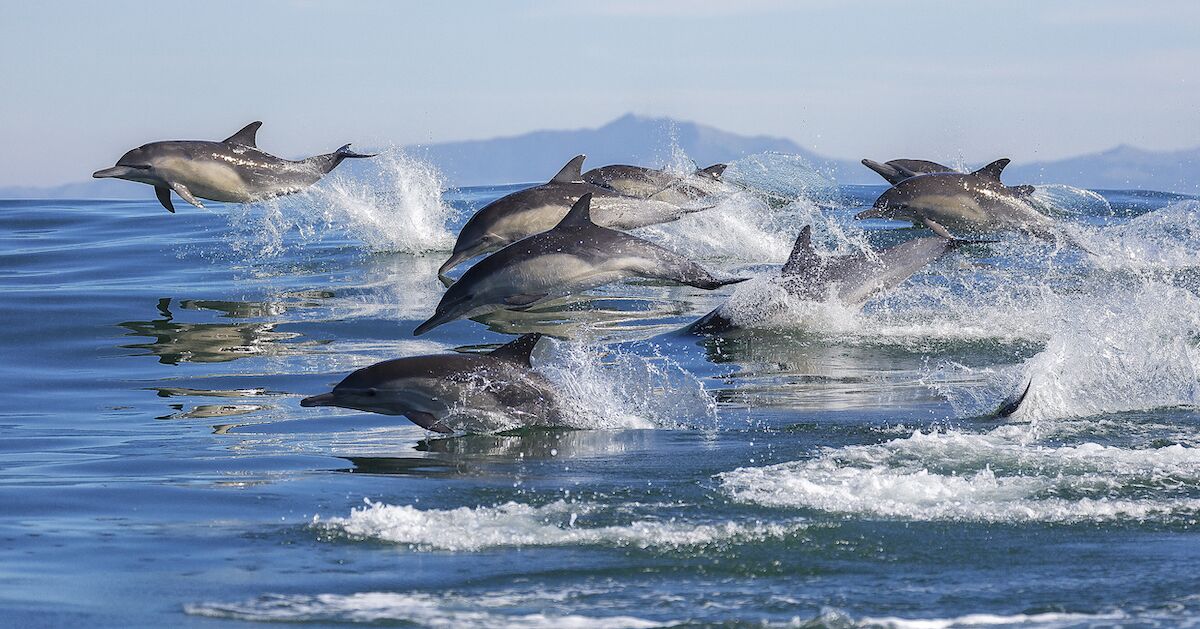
point(184, 193)
point(945, 233)
point(427, 421)
point(1023, 190)
point(164, 196)
point(524, 299)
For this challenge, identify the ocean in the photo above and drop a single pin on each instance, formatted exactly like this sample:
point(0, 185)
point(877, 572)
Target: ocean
point(833, 467)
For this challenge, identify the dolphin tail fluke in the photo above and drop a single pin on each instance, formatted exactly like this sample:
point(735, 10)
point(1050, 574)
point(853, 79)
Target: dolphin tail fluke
point(329, 161)
point(345, 152)
point(1010, 406)
point(713, 172)
point(713, 283)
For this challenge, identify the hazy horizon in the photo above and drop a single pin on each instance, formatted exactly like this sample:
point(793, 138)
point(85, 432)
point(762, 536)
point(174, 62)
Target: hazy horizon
point(943, 80)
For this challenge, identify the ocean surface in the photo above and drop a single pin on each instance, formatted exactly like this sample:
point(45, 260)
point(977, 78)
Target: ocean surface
point(832, 467)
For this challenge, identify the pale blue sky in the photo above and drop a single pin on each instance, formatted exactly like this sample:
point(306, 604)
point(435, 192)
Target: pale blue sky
point(84, 81)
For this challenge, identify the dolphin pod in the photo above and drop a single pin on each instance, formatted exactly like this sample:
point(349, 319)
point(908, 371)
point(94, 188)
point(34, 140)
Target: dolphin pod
point(574, 256)
point(439, 391)
point(853, 279)
point(537, 209)
point(973, 203)
point(233, 170)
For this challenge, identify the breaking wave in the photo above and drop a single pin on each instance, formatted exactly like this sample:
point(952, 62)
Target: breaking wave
point(993, 477)
point(560, 523)
point(442, 609)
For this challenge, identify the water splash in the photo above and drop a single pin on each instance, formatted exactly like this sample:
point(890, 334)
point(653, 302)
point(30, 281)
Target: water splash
point(617, 388)
point(395, 205)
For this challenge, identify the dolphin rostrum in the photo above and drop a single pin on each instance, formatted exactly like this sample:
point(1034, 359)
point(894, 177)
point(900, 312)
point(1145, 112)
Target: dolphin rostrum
point(439, 392)
point(898, 170)
point(537, 209)
point(233, 170)
point(576, 255)
point(851, 279)
point(660, 185)
point(974, 203)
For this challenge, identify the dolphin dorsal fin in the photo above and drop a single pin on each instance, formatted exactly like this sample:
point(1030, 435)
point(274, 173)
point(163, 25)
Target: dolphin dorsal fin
point(803, 254)
point(993, 169)
point(579, 215)
point(518, 351)
point(713, 172)
point(572, 172)
point(245, 137)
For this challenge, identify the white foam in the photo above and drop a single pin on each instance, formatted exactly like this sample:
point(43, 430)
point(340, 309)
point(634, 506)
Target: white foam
point(994, 477)
point(1128, 350)
point(512, 524)
point(1047, 620)
point(443, 609)
point(395, 206)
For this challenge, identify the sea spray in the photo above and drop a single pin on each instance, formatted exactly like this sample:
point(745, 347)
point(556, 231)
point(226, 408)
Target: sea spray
point(394, 205)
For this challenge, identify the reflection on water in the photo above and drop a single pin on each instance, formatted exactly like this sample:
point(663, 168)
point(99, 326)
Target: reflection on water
point(208, 411)
point(540, 443)
point(798, 370)
point(577, 317)
point(468, 455)
point(176, 343)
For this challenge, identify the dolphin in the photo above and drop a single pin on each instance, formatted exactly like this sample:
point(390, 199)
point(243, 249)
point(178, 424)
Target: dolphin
point(898, 170)
point(537, 209)
point(232, 170)
point(974, 203)
point(439, 391)
point(660, 185)
point(576, 255)
point(854, 278)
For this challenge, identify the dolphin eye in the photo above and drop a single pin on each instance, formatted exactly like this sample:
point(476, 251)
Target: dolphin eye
point(372, 392)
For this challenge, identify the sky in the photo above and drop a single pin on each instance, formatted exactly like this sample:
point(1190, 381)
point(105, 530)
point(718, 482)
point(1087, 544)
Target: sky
point(85, 81)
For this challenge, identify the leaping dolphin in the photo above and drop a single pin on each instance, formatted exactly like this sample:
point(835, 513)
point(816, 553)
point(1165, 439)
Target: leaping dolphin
point(660, 185)
point(973, 203)
point(574, 256)
point(233, 170)
point(441, 391)
point(854, 278)
point(537, 209)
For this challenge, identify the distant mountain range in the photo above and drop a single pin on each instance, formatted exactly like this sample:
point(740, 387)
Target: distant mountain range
point(537, 155)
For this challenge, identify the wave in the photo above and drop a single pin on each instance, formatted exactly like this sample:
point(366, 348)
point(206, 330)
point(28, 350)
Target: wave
point(993, 477)
point(559, 523)
point(441, 609)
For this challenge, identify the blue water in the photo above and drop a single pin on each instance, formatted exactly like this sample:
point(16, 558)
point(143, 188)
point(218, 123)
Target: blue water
point(834, 467)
